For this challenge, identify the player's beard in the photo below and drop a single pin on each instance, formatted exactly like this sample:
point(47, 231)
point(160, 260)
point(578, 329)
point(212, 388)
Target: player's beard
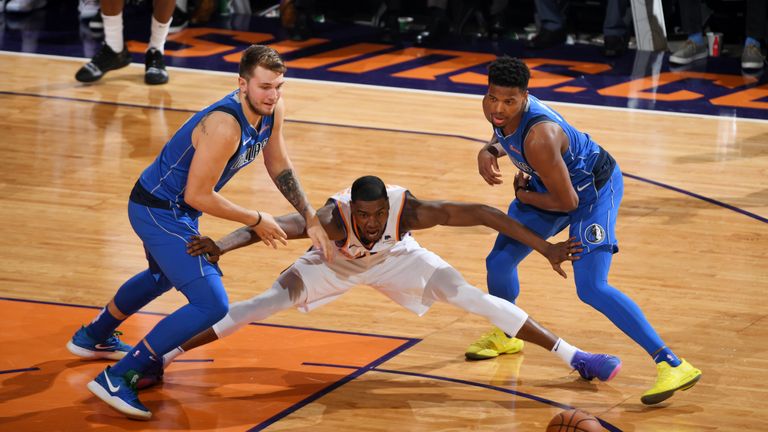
point(253, 107)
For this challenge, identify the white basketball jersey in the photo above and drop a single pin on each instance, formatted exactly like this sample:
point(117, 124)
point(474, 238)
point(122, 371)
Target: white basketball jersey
point(352, 247)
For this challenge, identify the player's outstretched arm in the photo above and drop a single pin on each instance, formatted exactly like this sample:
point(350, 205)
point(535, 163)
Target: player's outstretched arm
point(425, 214)
point(293, 224)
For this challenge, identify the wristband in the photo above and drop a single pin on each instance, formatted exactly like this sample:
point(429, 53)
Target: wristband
point(493, 151)
point(258, 221)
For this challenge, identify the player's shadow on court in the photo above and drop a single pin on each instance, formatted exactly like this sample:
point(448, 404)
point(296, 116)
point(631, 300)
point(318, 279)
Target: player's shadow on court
point(33, 382)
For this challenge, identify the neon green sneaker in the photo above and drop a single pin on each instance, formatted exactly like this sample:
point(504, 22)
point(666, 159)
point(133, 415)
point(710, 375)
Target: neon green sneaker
point(493, 344)
point(670, 380)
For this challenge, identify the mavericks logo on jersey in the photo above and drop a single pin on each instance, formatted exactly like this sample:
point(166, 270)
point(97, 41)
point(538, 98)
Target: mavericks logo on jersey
point(594, 234)
point(250, 154)
point(522, 166)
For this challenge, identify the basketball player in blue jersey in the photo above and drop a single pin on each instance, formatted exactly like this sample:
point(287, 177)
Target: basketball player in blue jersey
point(171, 194)
point(371, 224)
point(564, 179)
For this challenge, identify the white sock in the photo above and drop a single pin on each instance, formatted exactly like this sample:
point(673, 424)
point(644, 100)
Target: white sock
point(565, 351)
point(171, 355)
point(113, 32)
point(159, 34)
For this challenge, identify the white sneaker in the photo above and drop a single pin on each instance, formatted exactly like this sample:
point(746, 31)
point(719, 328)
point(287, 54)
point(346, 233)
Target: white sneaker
point(21, 6)
point(88, 9)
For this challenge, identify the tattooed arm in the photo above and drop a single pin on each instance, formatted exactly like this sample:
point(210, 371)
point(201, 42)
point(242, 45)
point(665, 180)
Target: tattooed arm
point(280, 169)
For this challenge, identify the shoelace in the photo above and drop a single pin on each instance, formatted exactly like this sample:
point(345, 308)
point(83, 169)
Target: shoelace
point(581, 368)
point(156, 60)
point(115, 338)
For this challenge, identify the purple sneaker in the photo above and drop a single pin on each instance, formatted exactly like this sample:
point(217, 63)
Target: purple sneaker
point(601, 366)
point(152, 376)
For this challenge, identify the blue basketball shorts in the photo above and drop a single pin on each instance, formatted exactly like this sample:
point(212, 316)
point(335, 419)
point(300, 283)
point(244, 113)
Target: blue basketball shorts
point(165, 234)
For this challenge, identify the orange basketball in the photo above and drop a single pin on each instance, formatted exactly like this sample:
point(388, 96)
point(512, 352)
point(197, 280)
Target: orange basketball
point(574, 421)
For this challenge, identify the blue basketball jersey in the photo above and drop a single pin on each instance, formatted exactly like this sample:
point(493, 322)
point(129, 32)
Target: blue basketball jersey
point(166, 177)
point(580, 158)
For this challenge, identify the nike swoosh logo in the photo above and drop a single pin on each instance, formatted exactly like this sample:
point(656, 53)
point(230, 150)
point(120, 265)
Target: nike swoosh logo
point(582, 187)
point(112, 388)
point(104, 347)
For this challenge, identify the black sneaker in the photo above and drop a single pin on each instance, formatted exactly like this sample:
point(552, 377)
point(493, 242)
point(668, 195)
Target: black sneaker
point(97, 22)
point(547, 39)
point(179, 21)
point(154, 68)
point(104, 61)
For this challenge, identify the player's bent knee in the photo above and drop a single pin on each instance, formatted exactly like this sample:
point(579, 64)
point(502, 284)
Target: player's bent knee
point(218, 310)
point(504, 260)
point(590, 291)
point(208, 295)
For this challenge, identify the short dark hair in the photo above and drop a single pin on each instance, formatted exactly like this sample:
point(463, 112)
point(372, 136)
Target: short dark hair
point(509, 72)
point(260, 55)
point(368, 188)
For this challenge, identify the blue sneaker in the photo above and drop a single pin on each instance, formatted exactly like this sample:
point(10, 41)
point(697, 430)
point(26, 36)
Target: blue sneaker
point(82, 345)
point(152, 376)
point(601, 366)
point(119, 392)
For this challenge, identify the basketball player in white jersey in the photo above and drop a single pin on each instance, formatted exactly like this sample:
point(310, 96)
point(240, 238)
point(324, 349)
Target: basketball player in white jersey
point(371, 226)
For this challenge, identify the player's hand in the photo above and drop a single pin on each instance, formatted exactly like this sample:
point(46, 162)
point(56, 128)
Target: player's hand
point(563, 251)
point(521, 181)
point(488, 167)
point(320, 238)
point(269, 231)
point(205, 246)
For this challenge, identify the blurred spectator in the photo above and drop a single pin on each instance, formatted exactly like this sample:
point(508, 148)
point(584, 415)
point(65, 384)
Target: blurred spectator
point(114, 55)
point(552, 30)
point(23, 6)
point(88, 9)
point(696, 46)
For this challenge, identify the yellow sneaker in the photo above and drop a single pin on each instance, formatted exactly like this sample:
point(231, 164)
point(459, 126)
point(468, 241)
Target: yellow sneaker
point(492, 344)
point(670, 380)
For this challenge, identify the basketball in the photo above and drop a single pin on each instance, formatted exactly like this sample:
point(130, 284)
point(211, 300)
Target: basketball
point(574, 421)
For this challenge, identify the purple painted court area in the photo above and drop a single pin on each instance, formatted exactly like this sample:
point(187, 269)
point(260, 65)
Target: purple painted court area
point(715, 86)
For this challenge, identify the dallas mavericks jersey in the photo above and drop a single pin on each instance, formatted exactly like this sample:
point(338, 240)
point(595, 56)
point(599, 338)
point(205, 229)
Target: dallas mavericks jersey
point(166, 177)
point(581, 158)
point(352, 247)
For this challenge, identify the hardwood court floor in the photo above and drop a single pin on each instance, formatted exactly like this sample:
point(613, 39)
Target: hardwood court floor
point(698, 270)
